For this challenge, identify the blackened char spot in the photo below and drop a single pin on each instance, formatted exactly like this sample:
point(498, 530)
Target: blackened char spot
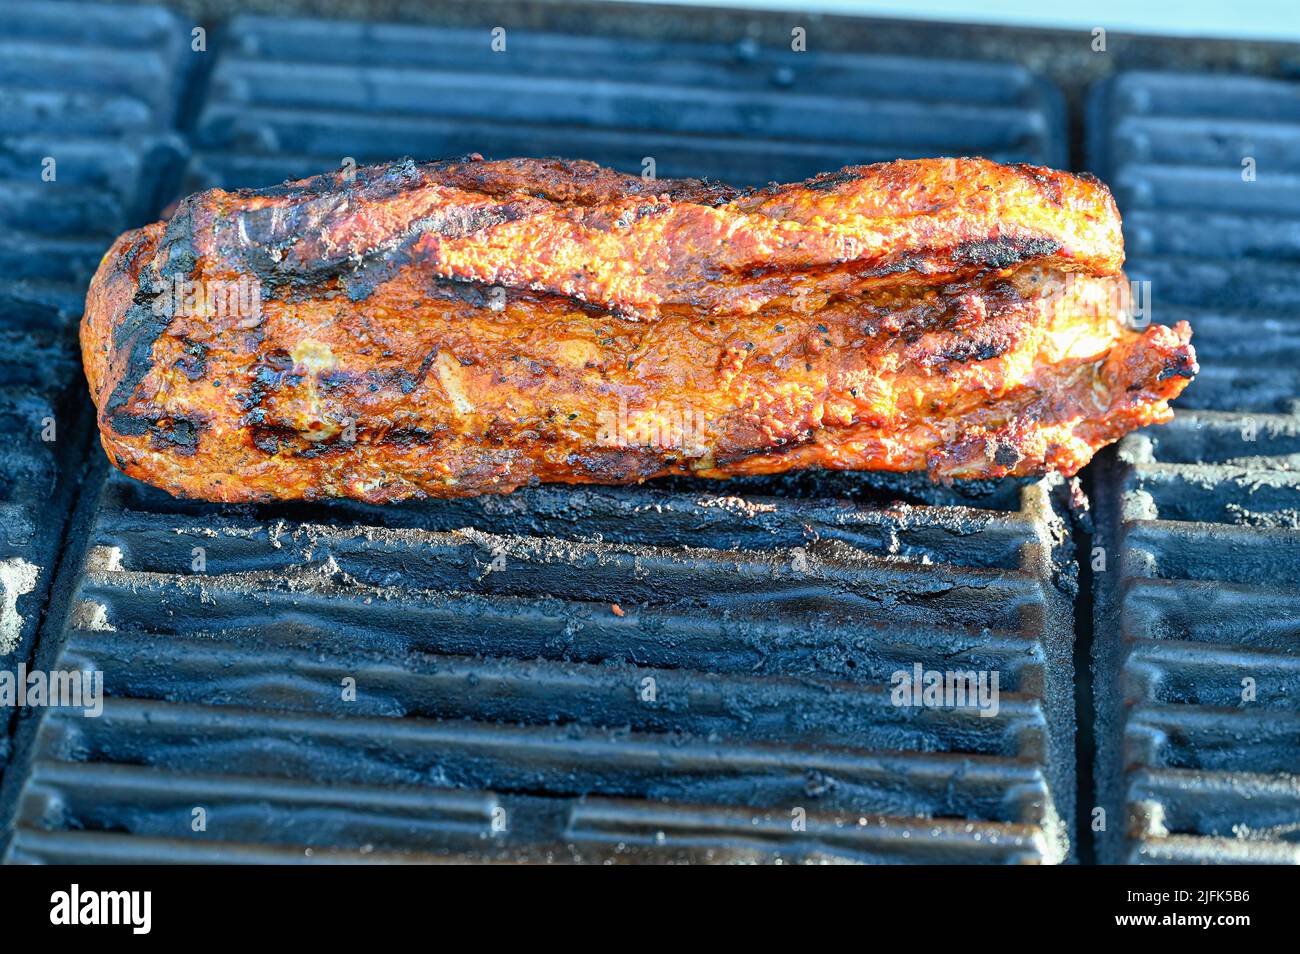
point(178, 435)
point(143, 324)
point(279, 246)
point(1183, 366)
point(458, 221)
point(1006, 455)
point(377, 181)
point(831, 180)
point(715, 194)
point(266, 439)
point(421, 373)
point(651, 210)
point(1002, 253)
point(614, 465)
point(271, 371)
point(372, 272)
point(177, 246)
point(377, 380)
point(908, 262)
point(125, 262)
point(412, 437)
point(324, 449)
point(272, 438)
point(968, 349)
point(128, 425)
point(194, 362)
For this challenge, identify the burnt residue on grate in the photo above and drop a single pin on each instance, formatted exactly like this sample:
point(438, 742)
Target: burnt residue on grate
point(1197, 616)
point(602, 674)
point(290, 97)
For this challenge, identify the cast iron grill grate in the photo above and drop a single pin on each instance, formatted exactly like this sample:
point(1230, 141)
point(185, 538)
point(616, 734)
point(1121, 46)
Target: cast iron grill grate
point(1198, 622)
point(290, 97)
point(503, 708)
point(86, 97)
point(1221, 249)
point(747, 679)
point(95, 92)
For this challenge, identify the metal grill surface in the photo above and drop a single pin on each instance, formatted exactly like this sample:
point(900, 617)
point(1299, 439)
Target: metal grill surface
point(86, 98)
point(680, 672)
point(1197, 629)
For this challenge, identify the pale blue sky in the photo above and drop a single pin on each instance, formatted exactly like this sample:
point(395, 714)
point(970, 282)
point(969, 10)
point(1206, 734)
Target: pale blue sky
point(1258, 19)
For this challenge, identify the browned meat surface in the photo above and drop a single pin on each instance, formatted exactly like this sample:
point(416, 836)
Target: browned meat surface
point(469, 327)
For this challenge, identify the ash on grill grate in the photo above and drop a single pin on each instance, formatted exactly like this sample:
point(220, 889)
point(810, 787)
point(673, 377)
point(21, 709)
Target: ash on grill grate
point(290, 97)
point(86, 96)
point(1197, 619)
point(40, 437)
point(736, 706)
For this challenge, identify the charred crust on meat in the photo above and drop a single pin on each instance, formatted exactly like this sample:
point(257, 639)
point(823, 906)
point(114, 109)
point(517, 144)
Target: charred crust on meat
point(269, 439)
point(1006, 454)
point(362, 280)
point(612, 465)
point(412, 437)
point(314, 450)
point(971, 349)
point(1004, 252)
point(652, 209)
point(178, 435)
point(143, 323)
point(177, 246)
point(128, 425)
point(274, 247)
point(194, 362)
point(126, 263)
point(829, 181)
point(1183, 366)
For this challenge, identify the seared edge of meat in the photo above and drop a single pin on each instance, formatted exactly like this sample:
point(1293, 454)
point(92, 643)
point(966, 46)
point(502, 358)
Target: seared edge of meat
point(370, 376)
point(634, 247)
